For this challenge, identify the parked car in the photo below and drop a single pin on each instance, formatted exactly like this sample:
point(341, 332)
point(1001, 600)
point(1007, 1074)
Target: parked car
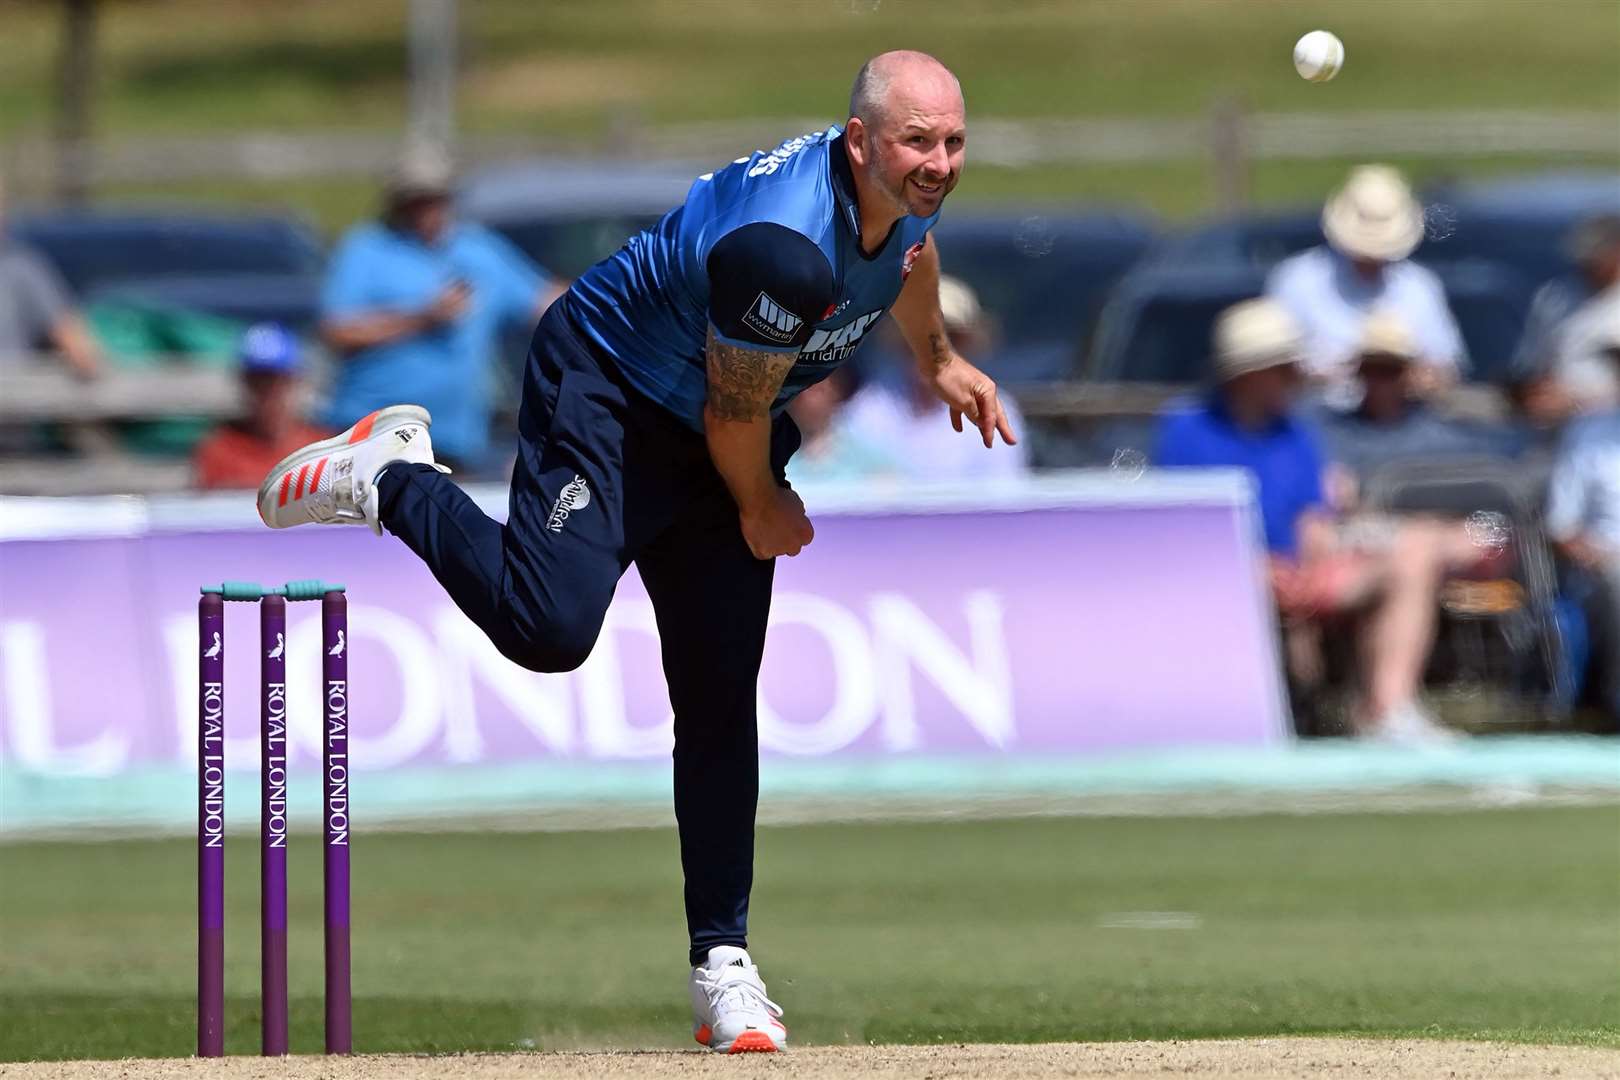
point(250, 267)
point(1157, 324)
point(568, 215)
point(1520, 222)
point(1043, 276)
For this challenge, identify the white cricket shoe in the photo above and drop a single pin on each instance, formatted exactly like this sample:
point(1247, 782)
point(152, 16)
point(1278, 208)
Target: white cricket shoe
point(333, 482)
point(1410, 724)
point(730, 1012)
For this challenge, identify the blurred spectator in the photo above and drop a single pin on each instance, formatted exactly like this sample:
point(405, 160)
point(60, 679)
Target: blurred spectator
point(36, 313)
point(413, 305)
point(1583, 519)
point(1558, 364)
point(1373, 223)
point(906, 429)
point(1391, 424)
point(828, 452)
point(1385, 580)
point(240, 453)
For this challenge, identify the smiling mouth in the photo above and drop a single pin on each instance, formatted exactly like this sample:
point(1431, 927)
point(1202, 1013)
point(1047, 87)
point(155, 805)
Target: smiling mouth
point(928, 189)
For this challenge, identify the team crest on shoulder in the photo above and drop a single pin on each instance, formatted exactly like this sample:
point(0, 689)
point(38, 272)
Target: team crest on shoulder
point(910, 259)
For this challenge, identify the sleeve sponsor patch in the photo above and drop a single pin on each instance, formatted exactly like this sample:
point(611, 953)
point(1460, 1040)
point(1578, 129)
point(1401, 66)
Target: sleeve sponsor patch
point(771, 320)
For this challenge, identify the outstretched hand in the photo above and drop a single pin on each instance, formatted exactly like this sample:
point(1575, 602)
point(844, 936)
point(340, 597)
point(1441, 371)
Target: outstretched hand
point(971, 393)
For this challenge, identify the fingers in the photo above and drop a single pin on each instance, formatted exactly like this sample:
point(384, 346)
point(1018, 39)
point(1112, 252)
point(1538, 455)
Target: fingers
point(1003, 426)
point(956, 420)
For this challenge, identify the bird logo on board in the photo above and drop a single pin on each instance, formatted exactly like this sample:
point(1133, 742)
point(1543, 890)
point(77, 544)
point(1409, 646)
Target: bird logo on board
point(337, 650)
point(280, 648)
point(910, 260)
point(771, 320)
point(575, 495)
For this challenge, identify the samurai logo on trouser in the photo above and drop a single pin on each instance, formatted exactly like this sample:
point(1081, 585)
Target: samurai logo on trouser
point(575, 495)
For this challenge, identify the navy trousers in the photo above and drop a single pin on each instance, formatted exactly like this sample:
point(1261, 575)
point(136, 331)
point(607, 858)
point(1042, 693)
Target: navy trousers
point(604, 477)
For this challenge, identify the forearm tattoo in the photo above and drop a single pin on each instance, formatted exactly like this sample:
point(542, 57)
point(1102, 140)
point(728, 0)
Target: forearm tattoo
point(743, 383)
point(939, 349)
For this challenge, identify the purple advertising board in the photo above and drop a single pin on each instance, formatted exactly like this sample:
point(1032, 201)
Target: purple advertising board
point(1073, 615)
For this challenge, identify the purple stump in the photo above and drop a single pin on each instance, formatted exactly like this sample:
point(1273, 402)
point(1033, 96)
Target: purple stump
point(335, 817)
point(211, 825)
point(273, 824)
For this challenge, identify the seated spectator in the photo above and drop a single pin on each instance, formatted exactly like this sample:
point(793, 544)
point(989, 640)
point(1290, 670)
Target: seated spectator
point(1391, 423)
point(36, 313)
point(904, 427)
point(1558, 368)
point(240, 453)
point(828, 451)
point(1387, 580)
point(1373, 223)
point(1583, 519)
point(413, 306)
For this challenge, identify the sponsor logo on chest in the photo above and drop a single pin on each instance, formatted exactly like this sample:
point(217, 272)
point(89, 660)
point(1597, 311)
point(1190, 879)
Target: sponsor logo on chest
point(834, 346)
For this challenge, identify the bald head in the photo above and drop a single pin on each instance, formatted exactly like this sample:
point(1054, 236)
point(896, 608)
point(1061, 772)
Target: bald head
point(906, 133)
point(896, 78)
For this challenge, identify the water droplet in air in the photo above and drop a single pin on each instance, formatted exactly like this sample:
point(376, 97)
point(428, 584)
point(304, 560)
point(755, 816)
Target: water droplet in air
point(1128, 464)
point(1488, 530)
point(1035, 237)
point(1439, 222)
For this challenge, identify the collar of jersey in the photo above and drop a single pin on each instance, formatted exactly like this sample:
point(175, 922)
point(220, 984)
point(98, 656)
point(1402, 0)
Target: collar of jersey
point(843, 184)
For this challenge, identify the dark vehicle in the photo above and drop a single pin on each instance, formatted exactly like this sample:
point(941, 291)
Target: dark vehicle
point(1043, 277)
point(243, 267)
point(569, 215)
point(1520, 223)
point(1158, 323)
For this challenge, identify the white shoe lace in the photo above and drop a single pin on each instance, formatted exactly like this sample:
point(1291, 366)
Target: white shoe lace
point(735, 987)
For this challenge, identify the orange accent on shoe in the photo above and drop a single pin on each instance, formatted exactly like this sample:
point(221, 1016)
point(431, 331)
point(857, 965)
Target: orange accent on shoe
point(703, 1034)
point(362, 430)
point(752, 1042)
point(298, 492)
point(315, 477)
point(286, 482)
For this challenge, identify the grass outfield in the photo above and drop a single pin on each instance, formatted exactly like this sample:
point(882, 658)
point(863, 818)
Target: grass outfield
point(582, 67)
point(1493, 924)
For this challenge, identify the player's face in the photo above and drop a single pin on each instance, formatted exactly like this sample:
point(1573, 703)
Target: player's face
point(917, 154)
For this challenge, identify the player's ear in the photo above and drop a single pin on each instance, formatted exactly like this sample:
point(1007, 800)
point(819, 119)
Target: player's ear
point(855, 141)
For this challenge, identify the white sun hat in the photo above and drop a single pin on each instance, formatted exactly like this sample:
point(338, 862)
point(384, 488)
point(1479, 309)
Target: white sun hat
point(1253, 336)
point(958, 304)
point(1374, 215)
point(1385, 334)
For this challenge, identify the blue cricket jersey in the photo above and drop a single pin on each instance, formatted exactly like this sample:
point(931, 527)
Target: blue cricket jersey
point(767, 250)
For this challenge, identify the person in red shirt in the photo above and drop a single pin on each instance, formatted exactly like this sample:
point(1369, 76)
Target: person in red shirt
point(238, 454)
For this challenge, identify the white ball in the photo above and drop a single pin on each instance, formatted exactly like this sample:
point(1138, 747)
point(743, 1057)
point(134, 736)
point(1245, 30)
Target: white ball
point(1318, 56)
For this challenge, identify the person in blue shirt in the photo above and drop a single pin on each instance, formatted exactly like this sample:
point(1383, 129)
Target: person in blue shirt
point(652, 431)
point(413, 305)
point(1385, 577)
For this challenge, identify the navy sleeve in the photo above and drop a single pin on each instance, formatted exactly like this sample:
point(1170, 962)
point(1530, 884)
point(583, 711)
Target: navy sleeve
point(768, 285)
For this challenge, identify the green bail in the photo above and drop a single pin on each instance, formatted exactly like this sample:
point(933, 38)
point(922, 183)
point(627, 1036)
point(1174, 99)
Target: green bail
point(308, 589)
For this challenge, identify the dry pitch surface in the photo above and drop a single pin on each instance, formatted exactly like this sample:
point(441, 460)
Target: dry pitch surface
point(1250, 1059)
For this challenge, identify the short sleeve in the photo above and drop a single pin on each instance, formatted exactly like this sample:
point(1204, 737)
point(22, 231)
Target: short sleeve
point(44, 298)
point(345, 291)
point(768, 286)
point(1173, 446)
point(1443, 343)
point(1566, 491)
point(517, 281)
point(1313, 463)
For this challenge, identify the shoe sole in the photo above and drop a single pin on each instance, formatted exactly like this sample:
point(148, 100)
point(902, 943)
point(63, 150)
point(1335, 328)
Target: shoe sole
point(752, 1042)
point(749, 1042)
point(359, 432)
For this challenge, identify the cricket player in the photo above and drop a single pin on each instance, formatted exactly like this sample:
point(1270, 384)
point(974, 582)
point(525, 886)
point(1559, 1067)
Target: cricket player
point(653, 431)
